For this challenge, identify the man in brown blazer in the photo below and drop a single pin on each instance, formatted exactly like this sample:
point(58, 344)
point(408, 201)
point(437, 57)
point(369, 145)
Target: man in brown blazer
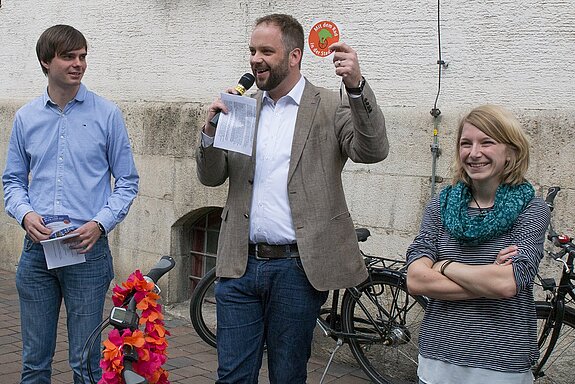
point(286, 235)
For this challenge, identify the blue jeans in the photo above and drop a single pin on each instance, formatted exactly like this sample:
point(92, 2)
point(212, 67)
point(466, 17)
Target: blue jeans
point(83, 288)
point(274, 304)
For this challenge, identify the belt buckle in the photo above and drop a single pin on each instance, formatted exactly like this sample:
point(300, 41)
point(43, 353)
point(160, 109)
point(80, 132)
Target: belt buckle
point(257, 252)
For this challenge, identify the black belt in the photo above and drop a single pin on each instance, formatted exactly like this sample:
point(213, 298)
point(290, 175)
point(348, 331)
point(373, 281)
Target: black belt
point(263, 251)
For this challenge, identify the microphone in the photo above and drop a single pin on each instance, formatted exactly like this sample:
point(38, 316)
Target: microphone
point(245, 83)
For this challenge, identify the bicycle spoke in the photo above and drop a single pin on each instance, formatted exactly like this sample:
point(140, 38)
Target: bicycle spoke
point(383, 320)
point(558, 368)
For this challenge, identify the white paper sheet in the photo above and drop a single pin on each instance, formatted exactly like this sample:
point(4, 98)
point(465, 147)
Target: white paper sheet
point(235, 130)
point(59, 254)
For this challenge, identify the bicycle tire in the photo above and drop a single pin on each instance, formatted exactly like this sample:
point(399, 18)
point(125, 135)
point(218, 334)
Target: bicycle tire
point(387, 347)
point(203, 308)
point(559, 366)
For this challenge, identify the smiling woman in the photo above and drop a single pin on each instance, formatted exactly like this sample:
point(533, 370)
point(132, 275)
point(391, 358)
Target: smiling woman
point(475, 257)
point(482, 158)
point(491, 134)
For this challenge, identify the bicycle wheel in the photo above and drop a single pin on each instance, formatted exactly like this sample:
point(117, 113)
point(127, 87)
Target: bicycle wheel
point(203, 308)
point(559, 366)
point(385, 320)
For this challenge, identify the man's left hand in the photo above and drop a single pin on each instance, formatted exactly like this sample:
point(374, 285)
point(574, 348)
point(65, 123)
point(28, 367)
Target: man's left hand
point(346, 64)
point(88, 234)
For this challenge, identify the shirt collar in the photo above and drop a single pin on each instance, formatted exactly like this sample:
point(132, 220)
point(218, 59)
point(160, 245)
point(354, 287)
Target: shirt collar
point(295, 93)
point(80, 95)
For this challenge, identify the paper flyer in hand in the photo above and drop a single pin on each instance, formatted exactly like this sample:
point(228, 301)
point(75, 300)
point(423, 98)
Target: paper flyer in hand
point(56, 252)
point(235, 131)
point(59, 224)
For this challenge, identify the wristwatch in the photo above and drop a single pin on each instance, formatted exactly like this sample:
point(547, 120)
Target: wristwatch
point(359, 89)
point(100, 227)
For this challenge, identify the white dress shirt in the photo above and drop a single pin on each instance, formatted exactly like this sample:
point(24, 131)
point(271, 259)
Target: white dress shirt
point(270, 217)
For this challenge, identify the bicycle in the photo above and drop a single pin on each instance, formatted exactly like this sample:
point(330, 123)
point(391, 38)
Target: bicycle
point(556, 314)
point(124, 317)
point(378, 319)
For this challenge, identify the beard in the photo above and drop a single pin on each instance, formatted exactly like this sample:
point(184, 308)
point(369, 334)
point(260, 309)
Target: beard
point(277, 74)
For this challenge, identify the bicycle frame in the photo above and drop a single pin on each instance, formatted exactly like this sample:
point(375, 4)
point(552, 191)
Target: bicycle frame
point(558, 293)
point(333, 327)
point(375, 314)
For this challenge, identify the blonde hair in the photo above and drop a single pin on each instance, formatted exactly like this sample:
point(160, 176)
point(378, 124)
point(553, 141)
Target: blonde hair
point(499, 124)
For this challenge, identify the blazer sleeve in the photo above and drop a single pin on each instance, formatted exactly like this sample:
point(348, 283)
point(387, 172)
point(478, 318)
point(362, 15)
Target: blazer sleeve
point(361, 130)
point(211, 165)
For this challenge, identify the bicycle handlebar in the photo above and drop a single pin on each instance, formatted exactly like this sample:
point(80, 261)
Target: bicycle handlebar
point(550, 201)
point(164, 265)
point(161, 268)
point(551, 194)
point(561, 241)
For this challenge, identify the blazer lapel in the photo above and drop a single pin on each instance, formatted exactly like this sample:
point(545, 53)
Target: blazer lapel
point(306, 112)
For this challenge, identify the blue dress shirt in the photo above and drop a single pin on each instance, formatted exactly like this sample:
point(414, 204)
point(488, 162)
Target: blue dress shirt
point(62, 162)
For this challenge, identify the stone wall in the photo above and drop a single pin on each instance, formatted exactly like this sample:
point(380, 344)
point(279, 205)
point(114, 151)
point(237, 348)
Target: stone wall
point(388, 197)
point(163, 61)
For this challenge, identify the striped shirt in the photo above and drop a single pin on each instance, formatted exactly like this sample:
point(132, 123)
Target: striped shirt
point(495, 334)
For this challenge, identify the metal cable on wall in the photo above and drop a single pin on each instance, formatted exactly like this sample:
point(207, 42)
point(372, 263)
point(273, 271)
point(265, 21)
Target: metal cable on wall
point(435, 112)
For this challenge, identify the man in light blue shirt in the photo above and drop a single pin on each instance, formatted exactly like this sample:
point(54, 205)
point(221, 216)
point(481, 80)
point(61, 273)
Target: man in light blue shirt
point(64, 150)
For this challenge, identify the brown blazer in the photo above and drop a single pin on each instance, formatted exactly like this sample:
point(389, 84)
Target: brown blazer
point(329, 130)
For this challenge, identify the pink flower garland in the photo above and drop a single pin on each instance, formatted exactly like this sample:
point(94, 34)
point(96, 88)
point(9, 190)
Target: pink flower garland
point(150, 345)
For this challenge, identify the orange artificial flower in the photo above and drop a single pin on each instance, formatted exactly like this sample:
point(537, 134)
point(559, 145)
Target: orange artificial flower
point(150, 344)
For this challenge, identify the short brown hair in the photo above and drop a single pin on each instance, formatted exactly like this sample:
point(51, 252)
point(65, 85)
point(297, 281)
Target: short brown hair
point(291, 29)
point(57, 40)
point(499, 124)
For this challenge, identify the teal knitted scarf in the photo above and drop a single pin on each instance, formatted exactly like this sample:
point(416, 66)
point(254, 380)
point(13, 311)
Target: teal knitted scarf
point(510, 201)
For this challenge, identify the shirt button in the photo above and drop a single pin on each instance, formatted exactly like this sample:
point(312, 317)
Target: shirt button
point(246, 215)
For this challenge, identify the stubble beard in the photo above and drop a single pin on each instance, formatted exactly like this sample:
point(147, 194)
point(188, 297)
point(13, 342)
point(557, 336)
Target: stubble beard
point(276, 76)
